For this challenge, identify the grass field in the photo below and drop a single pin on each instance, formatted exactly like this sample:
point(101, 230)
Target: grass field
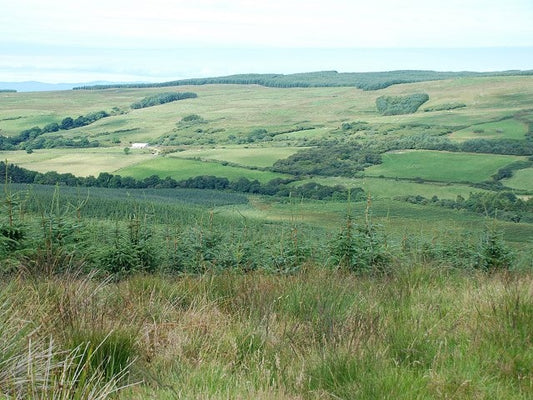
point(398, 219)
point(521, 179)
point(239, 109)
point(80, 162)
point(440, 166)
point(247, 156)
point(179, 169)
point(423, 332)
point(506, 129)
point(389, 188)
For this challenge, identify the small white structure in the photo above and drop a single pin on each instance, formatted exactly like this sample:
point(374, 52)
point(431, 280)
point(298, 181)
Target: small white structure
point(139, 145)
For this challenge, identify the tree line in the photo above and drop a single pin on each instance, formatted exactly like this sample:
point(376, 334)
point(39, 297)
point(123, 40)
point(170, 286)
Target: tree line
point(162, 98)
point(275, 187)
point(360, 80)
point(28, 136)
point(501, 205)
point(329, 160)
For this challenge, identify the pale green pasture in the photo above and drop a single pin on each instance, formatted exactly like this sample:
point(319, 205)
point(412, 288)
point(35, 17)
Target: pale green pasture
point(80, 162)
point(40, 108)
point(248, 156)
point(486, 99)
point(440, 166)
point(179, 169)
point(521, 179)
point(237, 109)
point(506, 129)
point(389, 188)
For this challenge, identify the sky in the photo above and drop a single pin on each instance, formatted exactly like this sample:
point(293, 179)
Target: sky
point(117, 40)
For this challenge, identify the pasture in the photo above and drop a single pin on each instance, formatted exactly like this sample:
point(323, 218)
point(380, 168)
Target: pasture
point(506, 129)
point(242, 155)
point(238, 109)
point(389, 188)
point(521, 179)
point(180, 169)
point(80, 162)
point(440, 166)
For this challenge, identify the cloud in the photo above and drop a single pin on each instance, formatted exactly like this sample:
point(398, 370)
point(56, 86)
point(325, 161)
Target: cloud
point(277, 23)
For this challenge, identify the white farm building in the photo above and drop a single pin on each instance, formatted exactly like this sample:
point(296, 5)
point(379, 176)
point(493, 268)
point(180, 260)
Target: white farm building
point(139, 145)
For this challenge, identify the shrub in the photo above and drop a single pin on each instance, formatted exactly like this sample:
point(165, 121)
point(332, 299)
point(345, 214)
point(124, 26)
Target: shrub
point(395, 105)
point(493, 254)
point(192, 119)
point(360, 248)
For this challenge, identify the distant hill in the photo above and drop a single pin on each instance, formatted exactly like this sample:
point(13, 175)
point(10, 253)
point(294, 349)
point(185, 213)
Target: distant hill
point(34, 86)
point(361, 80)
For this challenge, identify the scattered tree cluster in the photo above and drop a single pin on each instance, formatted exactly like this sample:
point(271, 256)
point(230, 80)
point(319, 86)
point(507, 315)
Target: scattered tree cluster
point(162, 98)
point(192, 119)
point(501, 205)
point(430, 142)
point(335, 160)
point(396, 105)
point(27, 138)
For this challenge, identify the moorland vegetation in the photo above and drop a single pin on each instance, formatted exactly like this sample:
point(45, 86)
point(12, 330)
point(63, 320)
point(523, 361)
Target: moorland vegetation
point(337, 252)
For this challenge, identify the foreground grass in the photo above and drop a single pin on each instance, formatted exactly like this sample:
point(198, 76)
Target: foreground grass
point(421, 333)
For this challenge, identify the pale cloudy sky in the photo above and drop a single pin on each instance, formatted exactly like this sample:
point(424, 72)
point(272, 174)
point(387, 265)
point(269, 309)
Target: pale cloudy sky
point(60, 40)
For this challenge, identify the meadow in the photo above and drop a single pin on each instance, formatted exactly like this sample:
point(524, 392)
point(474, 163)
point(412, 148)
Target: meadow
point(81, 162)
point(506, 129)
point(242, 155)
point(522, 179)
point(179, 169)
point(415, 284)
point(440, 166)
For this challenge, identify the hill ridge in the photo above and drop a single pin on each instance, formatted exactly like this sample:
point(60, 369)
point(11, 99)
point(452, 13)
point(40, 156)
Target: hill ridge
point(360, 80)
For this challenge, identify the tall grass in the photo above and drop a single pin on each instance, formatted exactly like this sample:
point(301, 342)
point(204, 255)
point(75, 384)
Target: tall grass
point(421, 331)
point(35, 366)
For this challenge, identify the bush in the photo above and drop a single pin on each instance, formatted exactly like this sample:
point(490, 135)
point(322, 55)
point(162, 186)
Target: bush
point(192, 118)
point(360, 248)
point(395, 105)
point(493, 253)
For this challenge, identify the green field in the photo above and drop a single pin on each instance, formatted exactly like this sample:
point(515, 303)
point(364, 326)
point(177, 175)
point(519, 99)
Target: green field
point(246, 156)
point(390, 188)
point(80, 162)
point(506, 129)
point(440, 166)
point(521, 179)
point(182, 169)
